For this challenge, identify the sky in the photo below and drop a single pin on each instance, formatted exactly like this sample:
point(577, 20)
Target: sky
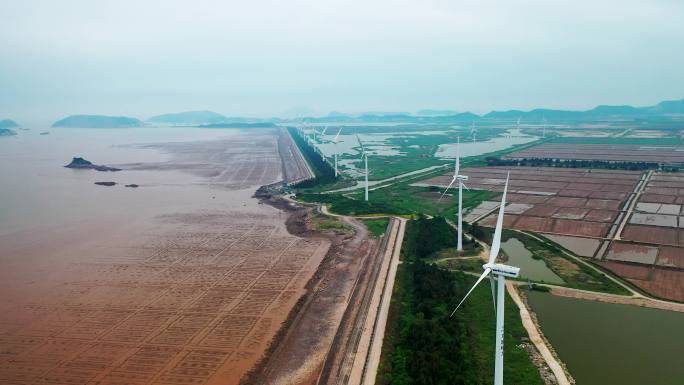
point(273, 58)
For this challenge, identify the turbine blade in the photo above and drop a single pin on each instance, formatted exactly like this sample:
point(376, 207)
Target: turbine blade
point(493, 285)
point(496, 241)
point(484, 274)
point(363, 150)
point(464, 185)
point(338, 135)
point(447, 189)
point(458, 156)
point(324, 130)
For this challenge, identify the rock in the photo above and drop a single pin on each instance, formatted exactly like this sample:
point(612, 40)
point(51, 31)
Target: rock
point(132, 185)
point(84, 164)
point(105, 183)
point(45, 133)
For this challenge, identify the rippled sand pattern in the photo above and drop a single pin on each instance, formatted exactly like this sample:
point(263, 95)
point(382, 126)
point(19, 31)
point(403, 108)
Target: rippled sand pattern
point(196, 305)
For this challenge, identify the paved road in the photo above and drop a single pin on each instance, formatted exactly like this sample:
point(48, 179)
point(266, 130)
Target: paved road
point(638, 190)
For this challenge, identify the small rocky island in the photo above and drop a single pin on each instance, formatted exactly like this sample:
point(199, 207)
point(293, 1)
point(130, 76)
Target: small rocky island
point(97, 121)
point(81, 163)
point(8, 123)
point(105, 183)
point(7, 132)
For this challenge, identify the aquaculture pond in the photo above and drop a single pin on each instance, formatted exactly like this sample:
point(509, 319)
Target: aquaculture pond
point(534, 269)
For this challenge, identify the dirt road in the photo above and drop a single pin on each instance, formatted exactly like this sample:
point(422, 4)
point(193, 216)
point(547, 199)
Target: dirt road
point(300, 355)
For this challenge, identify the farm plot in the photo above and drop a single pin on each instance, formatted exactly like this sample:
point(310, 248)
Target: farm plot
point(656, 269)
point(579, 209)
point(665, 154)
point(571, 202)
point(658, 217)
point(664, 283)
point(195, 301)
point(656, 237)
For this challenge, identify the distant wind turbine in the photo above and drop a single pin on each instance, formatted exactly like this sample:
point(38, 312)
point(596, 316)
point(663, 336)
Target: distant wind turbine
point(499, 271)
point(364, 155)
point(335, 141)
point(461, 185)
point(473, 130)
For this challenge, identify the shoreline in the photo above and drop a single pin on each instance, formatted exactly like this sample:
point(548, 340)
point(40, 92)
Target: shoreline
point(287, 360)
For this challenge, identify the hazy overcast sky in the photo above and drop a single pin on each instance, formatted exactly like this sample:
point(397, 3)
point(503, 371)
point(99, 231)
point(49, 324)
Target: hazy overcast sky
point(262, 58)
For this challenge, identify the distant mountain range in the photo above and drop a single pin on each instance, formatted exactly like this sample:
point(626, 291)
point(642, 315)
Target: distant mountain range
point(97, 121)
point(667, 110)
point(673, 107)
point(239, 125)
point(189, 117)
point(393, 118)
point(429, 112)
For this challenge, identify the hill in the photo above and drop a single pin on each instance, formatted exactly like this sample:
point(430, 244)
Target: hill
point(668, 107)
point(189, 117)
point(97, 121)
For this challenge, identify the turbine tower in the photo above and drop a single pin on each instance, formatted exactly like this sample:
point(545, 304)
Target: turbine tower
point(473, 130)
point(335, 141)
point(364, 155)
point(461, 185)
point(496, 272)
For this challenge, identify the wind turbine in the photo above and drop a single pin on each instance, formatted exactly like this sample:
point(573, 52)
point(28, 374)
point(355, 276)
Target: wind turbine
point(461, 185)
point(335, 141)
point(473, 130)
point(499, 271)
point(364, 155)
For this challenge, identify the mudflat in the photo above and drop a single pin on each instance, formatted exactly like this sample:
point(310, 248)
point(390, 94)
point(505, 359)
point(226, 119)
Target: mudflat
point(185, 280)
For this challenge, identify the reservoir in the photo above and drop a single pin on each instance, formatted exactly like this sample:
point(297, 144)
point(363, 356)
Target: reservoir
point(603, 343)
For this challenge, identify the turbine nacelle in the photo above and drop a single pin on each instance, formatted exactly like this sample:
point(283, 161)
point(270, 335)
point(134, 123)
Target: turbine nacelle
point(501, 269)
